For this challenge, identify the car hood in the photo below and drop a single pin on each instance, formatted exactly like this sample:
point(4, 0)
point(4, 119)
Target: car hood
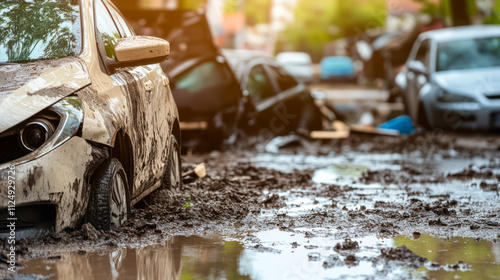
point(470, 82)
point(28, 88)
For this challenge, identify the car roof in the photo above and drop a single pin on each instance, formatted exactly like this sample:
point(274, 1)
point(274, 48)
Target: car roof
point(238, 59)
point(335, 58)
point(462, 32)
point(239, 56)
point(293, 57)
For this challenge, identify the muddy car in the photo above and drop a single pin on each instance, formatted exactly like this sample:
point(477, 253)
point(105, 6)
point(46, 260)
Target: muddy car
point(451, 79)
point(209, 91)
point(204, 87)
point(89, 126)
point(274, 102)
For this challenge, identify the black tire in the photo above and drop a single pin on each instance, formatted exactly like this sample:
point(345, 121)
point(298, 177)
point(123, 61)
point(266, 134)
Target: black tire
point(109, 204)
point(422, 119)
point(172, 179)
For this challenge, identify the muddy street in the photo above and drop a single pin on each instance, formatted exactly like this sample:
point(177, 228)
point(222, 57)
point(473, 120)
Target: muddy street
point(249, 139)
point(416, 207)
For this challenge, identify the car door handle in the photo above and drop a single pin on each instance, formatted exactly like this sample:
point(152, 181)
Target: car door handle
point(148, 86)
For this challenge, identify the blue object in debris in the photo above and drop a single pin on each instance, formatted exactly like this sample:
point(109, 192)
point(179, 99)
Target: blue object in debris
point(402, 124)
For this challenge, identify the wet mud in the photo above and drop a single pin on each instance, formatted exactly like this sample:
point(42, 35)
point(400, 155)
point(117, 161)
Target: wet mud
point(369, 207)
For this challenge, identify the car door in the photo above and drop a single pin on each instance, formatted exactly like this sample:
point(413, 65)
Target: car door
point(157, 85)
point(130, 86)
point(262, 93)
point(293, 96)
point(416, 80)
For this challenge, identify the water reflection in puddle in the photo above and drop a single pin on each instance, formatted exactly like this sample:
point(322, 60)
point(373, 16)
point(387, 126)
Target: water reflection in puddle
point(272, 254)
point(334, 173)
point(369, 161)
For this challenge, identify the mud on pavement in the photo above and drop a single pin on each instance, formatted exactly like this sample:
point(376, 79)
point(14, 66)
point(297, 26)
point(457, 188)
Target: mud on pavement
point(364, 206)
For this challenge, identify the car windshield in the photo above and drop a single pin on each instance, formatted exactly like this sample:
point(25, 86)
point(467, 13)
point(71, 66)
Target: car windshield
point(39, 29)
point(468, 54)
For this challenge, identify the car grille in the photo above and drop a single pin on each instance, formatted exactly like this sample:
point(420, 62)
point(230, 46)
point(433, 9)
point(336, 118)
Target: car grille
point(29, 217)
point(493, 96)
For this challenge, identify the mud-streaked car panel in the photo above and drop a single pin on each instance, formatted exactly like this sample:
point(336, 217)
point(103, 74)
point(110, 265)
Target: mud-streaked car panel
point(202, 83)
point(128, 113)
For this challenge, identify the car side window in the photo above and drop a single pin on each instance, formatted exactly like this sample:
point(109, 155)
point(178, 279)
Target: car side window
point(106, 29)
point(123, 26)
point(284, 80)
point(258, 85)
point(423, 53)
point(205, 75)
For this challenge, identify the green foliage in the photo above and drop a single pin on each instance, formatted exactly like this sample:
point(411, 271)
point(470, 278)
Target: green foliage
point(192, 4)
point(443, 10)
point(188, 203)
point(319, 22)
point(26, 26)
point(313, 19)
point(354, 17)
point(231, 6)
point(258, 11)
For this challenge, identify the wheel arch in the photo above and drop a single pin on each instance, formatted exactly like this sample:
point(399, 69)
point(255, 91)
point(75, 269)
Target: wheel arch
point(176, 131)
point(122, 149)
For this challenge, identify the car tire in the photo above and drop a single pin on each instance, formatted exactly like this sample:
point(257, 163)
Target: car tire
point(109, 204)
point(422, 119)
point(172, 179)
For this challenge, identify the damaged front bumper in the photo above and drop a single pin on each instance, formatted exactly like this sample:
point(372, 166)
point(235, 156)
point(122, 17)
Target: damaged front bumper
point(47, 190)
point(51, 192)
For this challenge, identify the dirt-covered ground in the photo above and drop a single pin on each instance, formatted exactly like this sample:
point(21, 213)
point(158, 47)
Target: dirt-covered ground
point(437, 184)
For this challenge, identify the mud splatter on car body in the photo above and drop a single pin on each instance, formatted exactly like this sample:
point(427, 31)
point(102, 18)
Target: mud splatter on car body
point(98, 112)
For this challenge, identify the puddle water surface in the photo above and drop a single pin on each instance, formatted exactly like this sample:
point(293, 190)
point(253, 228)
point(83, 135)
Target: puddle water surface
point(274, 254)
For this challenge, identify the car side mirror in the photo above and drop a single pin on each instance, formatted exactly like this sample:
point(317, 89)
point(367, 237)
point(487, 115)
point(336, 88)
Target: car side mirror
point(418, 67)
point(140, 50)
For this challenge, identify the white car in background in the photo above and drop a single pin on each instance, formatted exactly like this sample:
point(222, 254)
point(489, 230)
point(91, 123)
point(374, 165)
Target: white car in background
point(299, 64)
point(451, 79)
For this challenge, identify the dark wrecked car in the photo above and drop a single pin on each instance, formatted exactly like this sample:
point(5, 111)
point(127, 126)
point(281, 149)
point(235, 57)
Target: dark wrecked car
point(274, 102)
point(210, 96)
point(88, 125)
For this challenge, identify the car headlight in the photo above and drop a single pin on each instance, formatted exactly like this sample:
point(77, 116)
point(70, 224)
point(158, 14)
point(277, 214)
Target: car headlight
point(43, 132)
point(447, 97)
point(35, 134)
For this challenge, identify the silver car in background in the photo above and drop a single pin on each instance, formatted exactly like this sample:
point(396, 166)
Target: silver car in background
point(452, 78)
point(298, 64)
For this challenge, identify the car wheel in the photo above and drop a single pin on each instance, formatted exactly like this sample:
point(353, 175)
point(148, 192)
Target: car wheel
point(422, 119)
point(172, 179)
point(109, 204)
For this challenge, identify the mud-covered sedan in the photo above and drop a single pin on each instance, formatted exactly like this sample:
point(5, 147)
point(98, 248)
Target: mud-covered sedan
point(88, 124)
point(210, 92)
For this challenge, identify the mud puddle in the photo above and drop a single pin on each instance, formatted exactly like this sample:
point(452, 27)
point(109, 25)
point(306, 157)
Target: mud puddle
point(353, 164)
point(323, 211)
point(302, 253)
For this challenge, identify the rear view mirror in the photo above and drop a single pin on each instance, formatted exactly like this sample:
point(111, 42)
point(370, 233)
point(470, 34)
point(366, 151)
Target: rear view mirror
point(417, 66)
point(141, 50)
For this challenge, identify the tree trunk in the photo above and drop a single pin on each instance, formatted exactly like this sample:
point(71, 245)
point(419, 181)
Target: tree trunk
point(460, 13)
